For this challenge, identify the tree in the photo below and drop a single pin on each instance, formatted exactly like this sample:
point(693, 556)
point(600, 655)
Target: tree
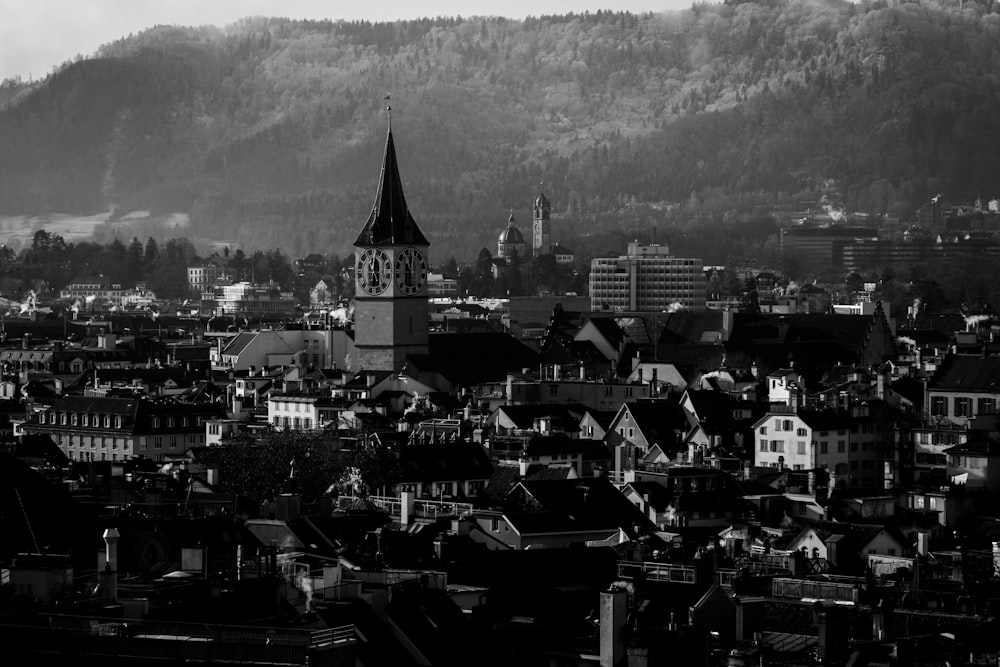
point(151, 254)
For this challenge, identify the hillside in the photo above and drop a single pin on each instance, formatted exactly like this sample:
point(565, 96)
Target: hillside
point(269, 131)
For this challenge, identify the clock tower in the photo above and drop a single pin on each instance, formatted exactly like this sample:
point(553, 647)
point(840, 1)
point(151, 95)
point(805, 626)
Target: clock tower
point(390, 278)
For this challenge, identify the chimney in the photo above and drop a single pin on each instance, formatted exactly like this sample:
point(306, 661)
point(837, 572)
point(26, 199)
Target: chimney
point(922, 540)
point(522, 466)
point(613, 616)
point(832, 630)
point(26, 341)
point(288, 507)
point(405, 507)
point(109, 577)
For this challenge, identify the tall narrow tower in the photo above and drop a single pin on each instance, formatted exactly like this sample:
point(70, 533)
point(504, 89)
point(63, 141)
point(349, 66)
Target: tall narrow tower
point(390, 313)
point(541, 237)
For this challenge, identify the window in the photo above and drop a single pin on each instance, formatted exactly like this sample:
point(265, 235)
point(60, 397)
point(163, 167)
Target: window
point(986, 406)
point(118, 422)
point(107, 421)
point(156, 422)
point(553, 390)
point(822, 447)
point(801, 432)
point(157, 442)
point(763, 445)
point(939, 405)
point(762, 430)
point(631, 432)
point(173, 441)
point(778, 446)
point(963, 406)
point(802, 447)
point(787, 425)
point(777, 424)
point(841, 446)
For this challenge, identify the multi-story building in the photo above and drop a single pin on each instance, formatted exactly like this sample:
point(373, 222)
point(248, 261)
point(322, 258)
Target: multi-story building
point(90, 428)
point(302, 411)
point(247, 299)
point(202, 277)
point(822, 246)
point(647, 279)
point(964, 388)
point(99, 291)
point(850, 447)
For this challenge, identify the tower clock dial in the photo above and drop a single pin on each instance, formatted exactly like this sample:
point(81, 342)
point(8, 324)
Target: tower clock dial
point(411, 271)
point(374, 271)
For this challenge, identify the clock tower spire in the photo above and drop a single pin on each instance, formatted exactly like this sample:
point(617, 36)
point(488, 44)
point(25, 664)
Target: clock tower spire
point(390, 312)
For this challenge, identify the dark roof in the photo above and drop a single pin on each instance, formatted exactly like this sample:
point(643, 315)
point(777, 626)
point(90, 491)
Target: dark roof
point(444, 462)
point(910, 389)
point(825, 420)
point(968, 373)
point(547, 445)
point(659, 421)
point(390, 222)
point(591, 502)
point(609, 328)
point(466, 359)
point(524, 416)
point(978, 443)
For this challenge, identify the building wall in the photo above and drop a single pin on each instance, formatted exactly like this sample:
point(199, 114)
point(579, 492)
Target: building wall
point(647, 279)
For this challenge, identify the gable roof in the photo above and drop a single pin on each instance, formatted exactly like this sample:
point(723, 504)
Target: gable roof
point(659, 421)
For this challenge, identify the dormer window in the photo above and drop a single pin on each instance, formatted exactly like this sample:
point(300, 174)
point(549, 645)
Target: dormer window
point(156, 422)
point(107, 421)
point(118, 422)
point(74, 419)
point(62, 418)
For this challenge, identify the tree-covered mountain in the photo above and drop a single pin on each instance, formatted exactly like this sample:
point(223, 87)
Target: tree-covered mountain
point(269, 132)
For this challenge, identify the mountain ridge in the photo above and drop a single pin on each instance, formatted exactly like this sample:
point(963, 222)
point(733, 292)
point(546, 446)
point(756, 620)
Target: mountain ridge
point(268, 132)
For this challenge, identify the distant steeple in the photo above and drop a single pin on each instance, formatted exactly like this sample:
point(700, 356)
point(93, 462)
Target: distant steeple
point(390, 222)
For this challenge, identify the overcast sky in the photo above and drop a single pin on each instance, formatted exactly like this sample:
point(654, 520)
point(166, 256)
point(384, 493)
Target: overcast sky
point(37, 35)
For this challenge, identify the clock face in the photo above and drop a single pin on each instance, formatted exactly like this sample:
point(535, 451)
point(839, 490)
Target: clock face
point(411, 271)
point(374, 271)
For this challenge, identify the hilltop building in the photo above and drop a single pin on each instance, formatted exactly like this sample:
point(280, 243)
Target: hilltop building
point(647, 279)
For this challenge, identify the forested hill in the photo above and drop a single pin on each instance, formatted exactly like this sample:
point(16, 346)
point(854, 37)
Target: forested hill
point(270, 131)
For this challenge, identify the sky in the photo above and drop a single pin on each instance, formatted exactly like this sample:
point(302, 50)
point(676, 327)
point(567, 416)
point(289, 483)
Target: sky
point(38, 35)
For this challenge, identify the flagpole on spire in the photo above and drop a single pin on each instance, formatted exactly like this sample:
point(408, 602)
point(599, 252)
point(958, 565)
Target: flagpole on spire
point(388, 109)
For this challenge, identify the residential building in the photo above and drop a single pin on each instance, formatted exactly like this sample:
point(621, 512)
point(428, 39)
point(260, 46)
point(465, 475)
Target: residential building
point(647, 279)
point(115, 429)
point(316, 348)
point(964, 388)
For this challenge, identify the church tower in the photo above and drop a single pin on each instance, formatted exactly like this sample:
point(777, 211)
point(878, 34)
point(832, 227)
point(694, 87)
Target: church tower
point(541, 238)
point(390, 278)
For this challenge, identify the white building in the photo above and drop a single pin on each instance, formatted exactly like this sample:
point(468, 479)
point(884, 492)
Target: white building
point(647, 279)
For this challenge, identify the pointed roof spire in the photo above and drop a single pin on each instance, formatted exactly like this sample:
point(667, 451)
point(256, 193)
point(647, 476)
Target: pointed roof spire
point(390, 222)
point(510, 220)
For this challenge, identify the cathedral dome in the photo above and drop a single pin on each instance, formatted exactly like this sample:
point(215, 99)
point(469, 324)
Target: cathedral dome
point(512, 234)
